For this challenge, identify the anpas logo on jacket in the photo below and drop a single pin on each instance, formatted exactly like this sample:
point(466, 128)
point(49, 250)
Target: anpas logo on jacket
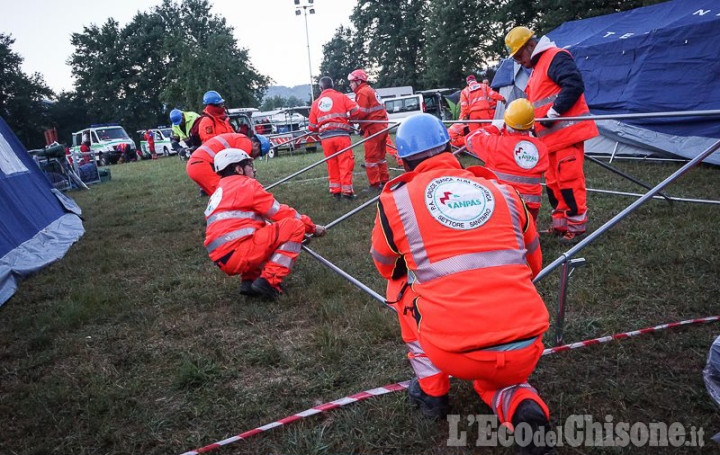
point(325, 103)
point(214, 201)
point(526, 155)
point(459, 203)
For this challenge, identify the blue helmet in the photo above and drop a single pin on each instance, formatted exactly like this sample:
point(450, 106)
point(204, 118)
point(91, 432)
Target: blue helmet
point(420, 133)
point(176, 116)
point(264, 144)
point(212, 97)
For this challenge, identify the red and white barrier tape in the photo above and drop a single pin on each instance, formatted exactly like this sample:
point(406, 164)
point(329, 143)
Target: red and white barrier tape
point(404, 385)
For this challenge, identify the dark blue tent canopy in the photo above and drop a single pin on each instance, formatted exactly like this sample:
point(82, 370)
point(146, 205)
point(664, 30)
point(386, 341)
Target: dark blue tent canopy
point(38, 224)
point(657, 58)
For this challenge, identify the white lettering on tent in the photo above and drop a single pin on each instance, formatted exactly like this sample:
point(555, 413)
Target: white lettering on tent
point(626, 36)
point(608, 34)
point(702, 12)
point(9, 161)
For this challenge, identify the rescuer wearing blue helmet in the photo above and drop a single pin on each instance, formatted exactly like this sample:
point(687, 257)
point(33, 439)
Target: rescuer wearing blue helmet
point(262, 147)
point(214, 120)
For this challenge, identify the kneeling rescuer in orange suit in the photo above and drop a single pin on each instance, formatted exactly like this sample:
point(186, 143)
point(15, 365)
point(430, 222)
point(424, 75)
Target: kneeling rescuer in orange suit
point(239, 240)
point(459, 251)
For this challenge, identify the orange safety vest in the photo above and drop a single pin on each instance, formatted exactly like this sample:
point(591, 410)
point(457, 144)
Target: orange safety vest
point(542, 92)
point(460, 235)
point(237, 209)
point(210, 148)
point(330, 114)
point(516, 158)
point(211, 125)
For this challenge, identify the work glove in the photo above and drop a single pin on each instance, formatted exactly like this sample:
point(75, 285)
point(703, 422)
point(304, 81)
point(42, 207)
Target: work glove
point(320, 231)
point(552, 113)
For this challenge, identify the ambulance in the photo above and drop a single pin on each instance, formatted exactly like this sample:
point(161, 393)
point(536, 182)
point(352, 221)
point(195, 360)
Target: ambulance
point(108, 142)
point(162, 142)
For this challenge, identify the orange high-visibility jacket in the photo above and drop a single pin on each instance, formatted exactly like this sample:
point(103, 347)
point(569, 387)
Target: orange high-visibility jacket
point(370, 106)
point(470, 248)
point(542, 92)
point(211, 125)
point(237, 209)
point(515, 157)
point(457, 132)
point(479, 98)
point(330, 114)
point(209, 149)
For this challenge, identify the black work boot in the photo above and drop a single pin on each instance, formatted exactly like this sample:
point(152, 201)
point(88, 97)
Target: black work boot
point(337, 196)
point(434, 408)
point(264, 289)
point(349, 196)
point(246, 289)
point(529, 412)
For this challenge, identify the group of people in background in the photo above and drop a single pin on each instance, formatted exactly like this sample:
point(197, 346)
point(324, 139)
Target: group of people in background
point(458, 246)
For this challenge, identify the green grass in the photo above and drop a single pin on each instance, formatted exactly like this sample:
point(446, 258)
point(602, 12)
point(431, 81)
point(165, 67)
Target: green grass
point(136, 343)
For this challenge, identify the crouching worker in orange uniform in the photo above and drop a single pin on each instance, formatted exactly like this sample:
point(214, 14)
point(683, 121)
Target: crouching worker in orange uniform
point(201, 165)
point(513, 154)
point(239, 240)
point(457, 133)
point(459, 251)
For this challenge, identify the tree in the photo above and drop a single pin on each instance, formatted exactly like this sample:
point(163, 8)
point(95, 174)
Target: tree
point(22, 96)
point(341, 55)
point(393, 32)
point(277, 102)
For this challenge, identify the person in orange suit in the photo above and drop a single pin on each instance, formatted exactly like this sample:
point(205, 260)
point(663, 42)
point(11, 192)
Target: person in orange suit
point(513, 154)
point(477, 102)
point(556, 90)
point(213, 120)
point(239, 239)
point(457, 133)
point(459, 251)
point(371, 107)
point(330, 115)
point(200, 166)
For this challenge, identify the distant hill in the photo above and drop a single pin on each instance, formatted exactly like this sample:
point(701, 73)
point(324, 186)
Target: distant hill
point(299, 91)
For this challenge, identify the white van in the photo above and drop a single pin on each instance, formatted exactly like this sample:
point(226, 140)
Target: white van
point(404, 106)
point(162, 142)
point(107, 142)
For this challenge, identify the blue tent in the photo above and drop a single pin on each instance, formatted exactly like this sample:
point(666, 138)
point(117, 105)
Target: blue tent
point(657, 58)
point(38, 224)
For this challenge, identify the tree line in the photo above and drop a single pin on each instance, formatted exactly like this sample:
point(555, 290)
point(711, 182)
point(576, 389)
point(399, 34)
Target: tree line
point(434, 44)
point(134, 75)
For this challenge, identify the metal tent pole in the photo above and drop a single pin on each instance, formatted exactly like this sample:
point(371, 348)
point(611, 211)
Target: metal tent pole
point(678, 199)
point(644, 115)
point(307, 168)
point(627, 176)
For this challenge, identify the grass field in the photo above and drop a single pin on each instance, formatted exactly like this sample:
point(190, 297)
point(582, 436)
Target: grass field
point(135, 343)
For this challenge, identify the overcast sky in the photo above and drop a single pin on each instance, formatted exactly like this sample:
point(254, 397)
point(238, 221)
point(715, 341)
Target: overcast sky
point(271, 31)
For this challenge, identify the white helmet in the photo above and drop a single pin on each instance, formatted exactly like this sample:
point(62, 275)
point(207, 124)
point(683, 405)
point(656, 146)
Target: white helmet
point(227, 157)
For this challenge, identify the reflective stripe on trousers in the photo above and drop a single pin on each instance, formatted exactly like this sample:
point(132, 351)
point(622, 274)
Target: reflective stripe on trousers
point(427, 271)
point(234, 214)
point(531, 197)
point(503, 397)
point(282, 260)
point(518, 178)
point(420, 362)
point(229, 237)
point(290, 247)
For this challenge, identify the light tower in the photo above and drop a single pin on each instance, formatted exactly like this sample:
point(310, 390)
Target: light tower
point(300, 9)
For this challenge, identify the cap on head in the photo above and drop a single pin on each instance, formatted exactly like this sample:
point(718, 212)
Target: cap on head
point(212, 97)
point(520, 114)
point(228, 157)
point(176, 116)
point(264, 143)
point(358, 75)
point(421, 133)
point(470, 78)
point(516, 39)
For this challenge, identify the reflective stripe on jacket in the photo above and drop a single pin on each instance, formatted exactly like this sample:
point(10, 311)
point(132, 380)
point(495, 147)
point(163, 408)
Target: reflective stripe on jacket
point(471, 249)
point(209, 149)
point(370, 106)
point(541, 92)
point(237, 209)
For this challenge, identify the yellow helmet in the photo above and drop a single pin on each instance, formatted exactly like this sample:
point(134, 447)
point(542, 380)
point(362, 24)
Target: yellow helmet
point(520, 114)
point(516, 38)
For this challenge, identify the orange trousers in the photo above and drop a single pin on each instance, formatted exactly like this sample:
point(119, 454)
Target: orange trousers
point(375, 163)
point(202, 173)
point(269, 253)
point(566, 190)
point(480, 115)
point(499, 377)
point(340, 168)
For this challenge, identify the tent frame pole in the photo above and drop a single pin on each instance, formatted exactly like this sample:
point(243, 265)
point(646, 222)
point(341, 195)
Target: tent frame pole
point(626, 176)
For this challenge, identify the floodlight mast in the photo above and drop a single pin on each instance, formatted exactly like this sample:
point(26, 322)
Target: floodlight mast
point(309, 6)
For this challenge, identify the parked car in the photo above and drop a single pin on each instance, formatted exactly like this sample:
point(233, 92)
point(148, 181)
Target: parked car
point(404, 106)
point(436, 104)
point(240, 121)
point(162, 142)
point(108, 143)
